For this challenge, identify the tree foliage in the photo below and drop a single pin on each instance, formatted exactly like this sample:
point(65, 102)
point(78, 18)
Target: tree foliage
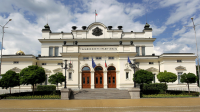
point(188, 78)
point(56, 78)
point(9, 79)
point(143, 76)
point(32, 75)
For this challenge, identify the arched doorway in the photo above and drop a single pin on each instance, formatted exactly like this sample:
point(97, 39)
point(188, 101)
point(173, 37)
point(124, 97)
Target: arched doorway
point(111, 77)
point(98, 77)
point(86, 77)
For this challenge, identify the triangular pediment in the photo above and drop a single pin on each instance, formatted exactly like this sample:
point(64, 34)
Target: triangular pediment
point(180, 68)
point(152, 69)
point(47, 70)
point(15, 69)
point(57, 70)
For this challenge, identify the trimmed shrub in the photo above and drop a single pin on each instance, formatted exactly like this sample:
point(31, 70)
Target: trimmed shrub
point(46, 88)
point(154, 88)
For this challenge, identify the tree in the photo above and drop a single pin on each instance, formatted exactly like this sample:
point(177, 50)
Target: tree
point(188, 78)
point(56, 78)
point(143, 76)
point(32, 75)
point(167, 77)
point(10, 79)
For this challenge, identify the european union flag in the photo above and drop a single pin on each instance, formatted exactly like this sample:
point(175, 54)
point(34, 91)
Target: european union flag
point(129, 61)
point(93, 63)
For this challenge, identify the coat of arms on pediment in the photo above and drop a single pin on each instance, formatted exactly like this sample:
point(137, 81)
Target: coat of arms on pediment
point(97, 31)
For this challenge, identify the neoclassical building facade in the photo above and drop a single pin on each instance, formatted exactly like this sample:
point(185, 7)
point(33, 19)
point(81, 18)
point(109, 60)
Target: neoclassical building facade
point(108, 49)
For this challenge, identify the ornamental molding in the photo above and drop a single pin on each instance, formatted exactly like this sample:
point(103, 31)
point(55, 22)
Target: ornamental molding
point(97, 31)
point(15, 69)
point(47, 70)
point(152, 69)
point(180, 68)
point(58, 70)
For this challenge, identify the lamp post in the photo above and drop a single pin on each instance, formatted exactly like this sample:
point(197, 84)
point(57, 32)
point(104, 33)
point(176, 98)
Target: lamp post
point(2, 41)
point(196, 49)
point(65, 67)
point(134, 65)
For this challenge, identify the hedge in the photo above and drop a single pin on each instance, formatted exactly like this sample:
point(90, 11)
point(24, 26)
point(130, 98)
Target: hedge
point(155, 88)
point(46, 88)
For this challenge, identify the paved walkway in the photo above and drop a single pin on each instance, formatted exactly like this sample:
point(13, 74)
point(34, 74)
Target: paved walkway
point(118, 105)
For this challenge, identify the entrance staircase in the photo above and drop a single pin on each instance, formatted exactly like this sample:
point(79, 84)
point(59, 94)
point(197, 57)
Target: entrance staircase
point(100, 94)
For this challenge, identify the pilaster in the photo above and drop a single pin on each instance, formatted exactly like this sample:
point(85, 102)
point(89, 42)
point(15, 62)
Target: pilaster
point(105, 79)
point(92, 79)
point(80, 81)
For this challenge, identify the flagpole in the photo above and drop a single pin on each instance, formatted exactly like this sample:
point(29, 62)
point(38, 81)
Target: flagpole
point(95, 15)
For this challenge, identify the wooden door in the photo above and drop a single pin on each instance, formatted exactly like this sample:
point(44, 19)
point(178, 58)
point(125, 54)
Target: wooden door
point(86, 80)
point(98, 79)
point(111, 79)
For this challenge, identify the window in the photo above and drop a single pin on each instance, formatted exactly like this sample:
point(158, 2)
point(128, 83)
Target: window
point(70, 76)
point(110, 57)
point(127, 75)
point(50, 51)
point(143, 51)
point(179, 77)
point(46, 80)
point(16, 62)
point(137, 51)
point(179, 61)
point(44, 63)
point(56, 51)
point(86, 69)
point(154, 78)
point(98, 58)
point(59, 63)
point(85, 58)
point(150, 62)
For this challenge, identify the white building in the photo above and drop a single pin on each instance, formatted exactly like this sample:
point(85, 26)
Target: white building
point(101, 43)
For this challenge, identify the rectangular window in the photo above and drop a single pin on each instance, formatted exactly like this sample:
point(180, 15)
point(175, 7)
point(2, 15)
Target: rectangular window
point(143, 51)
point(98, 58)
point(16, 62)
point(179, 77)
point(154, 78)
point(56, 51)
point(43, 63)
point(110, 57)
point(59, 63)
point(85, 58)
point(127, 75)
point(179, 61)
point(50, 51)
point(137, 50)
point(150, 62)
point(70, 76)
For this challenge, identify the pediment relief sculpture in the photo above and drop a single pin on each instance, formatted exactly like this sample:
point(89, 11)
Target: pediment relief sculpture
point(97, 31)
point(180, 68)
point(152, 69)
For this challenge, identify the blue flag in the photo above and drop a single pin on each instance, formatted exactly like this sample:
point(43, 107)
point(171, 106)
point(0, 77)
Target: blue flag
point(129, 61)
point(93, 63)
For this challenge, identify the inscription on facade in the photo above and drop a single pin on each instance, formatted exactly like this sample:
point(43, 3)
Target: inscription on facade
point(94, 48)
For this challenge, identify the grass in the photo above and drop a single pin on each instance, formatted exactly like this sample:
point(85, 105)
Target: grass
point(167, 96)
point(35, 97)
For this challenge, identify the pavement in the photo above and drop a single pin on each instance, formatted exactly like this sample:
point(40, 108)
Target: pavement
point(103, 105)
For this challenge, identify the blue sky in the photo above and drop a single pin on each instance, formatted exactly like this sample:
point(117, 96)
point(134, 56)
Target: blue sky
point(166, 17)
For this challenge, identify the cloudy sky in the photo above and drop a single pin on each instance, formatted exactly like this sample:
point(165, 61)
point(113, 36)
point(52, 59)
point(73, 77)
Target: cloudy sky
point(168, 19)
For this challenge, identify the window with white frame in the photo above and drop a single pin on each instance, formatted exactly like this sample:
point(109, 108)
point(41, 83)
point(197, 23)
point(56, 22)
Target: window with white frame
point(179, 77)
point(50, 51)
point(127, 75)
point(179, 61)
point(85, 58)
point(16, 62)
point(137, 50)
point(56, 51)
point(59, 63)
point(44, 63)
point(143, 50)
point(98, 58)
point(150, 62)
point(110, 57)
point(70, 76)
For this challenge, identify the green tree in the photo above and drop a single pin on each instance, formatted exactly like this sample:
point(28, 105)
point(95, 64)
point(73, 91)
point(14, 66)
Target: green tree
point(32, 75)
point(143, 76)
point(9, 79)
point(188, 78)
point(167, 77)
point(56, 78)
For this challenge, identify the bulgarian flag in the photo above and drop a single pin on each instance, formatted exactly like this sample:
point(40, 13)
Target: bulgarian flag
point(105, 64)
point(95, 13)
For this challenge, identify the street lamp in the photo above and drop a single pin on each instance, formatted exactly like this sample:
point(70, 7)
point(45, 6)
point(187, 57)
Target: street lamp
point(134, 65)
point(65, 67)
point(196, 49)
point(2, 41)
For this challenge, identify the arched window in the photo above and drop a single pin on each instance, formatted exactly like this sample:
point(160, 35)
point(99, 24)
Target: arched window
point(86, 68)
point(111, 68)
point(98, 68)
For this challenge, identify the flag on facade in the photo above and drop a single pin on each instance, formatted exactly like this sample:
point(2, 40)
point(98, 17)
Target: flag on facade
point(105, 64)
point(93, 63)
point(129, 61)
point(95, 13)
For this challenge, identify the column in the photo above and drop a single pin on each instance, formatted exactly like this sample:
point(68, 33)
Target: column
point(92, 79)
point(118, 77)
point(105, 80)
point(80, 81)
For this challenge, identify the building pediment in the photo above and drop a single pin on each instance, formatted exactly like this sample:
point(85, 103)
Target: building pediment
point(180, 68)
point(47, 70)
point(15, 69)
point(95, 24)
point(152, 69)
point(57, 70)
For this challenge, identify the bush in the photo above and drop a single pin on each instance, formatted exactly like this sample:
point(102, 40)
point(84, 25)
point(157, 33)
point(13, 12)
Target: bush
point(46, 88)
point(155, 88)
